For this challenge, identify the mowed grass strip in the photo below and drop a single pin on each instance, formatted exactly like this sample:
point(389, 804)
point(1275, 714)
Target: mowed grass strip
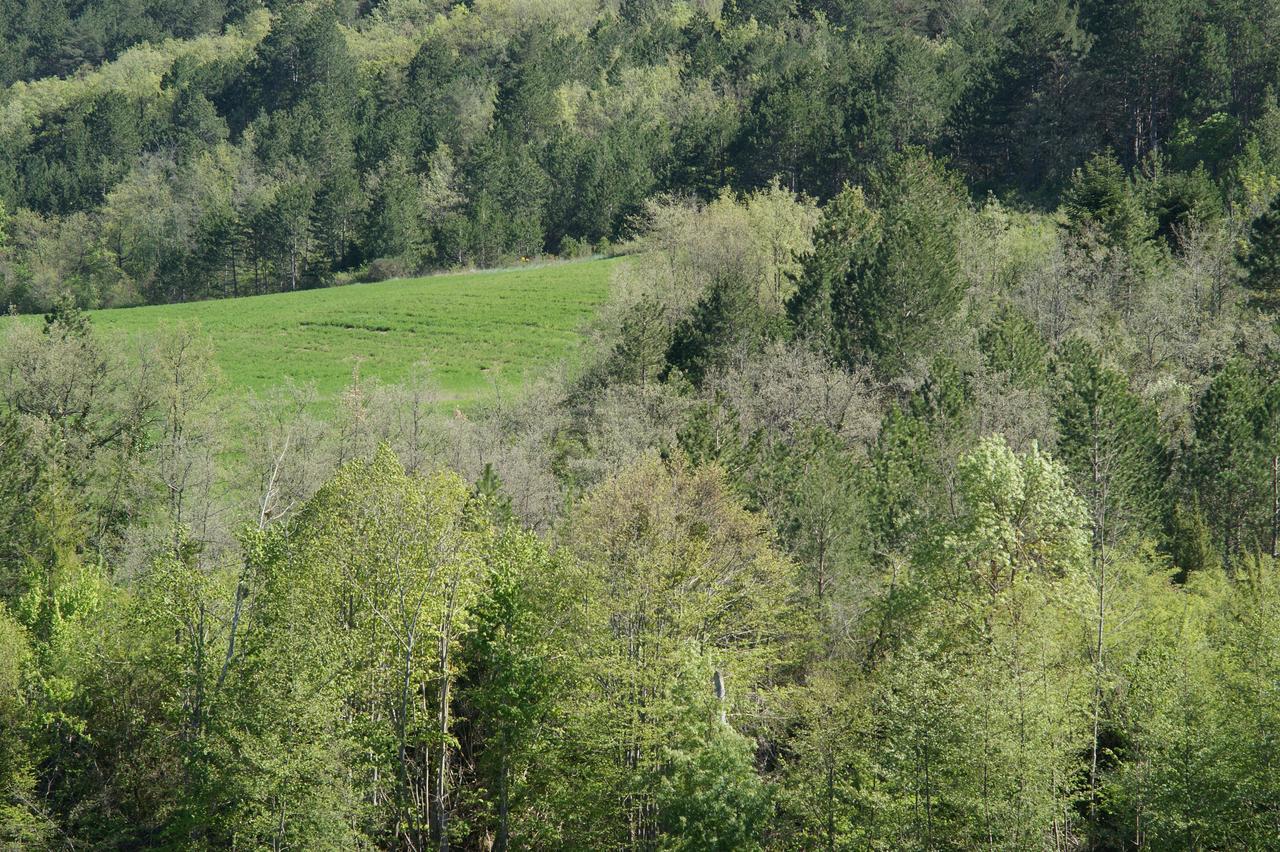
point(471, 330)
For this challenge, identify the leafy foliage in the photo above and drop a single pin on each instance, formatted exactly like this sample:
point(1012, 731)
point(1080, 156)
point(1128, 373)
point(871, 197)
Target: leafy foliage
point(915, 486)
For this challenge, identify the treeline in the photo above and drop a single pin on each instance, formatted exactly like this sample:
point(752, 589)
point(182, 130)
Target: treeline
point(896, 522)
point(316, 140)
point(58, 38)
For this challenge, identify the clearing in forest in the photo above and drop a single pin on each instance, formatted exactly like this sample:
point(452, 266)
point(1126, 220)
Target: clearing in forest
point(473, 330)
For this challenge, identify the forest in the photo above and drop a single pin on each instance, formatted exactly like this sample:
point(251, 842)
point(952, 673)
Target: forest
point(916, 487)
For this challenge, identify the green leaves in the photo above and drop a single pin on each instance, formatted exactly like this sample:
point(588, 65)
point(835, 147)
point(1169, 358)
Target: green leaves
point(1021, 516)
point(709, 796)
point(681, 583)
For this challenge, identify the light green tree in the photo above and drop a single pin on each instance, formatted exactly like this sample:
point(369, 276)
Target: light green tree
point(21, 822)
point(383, 568)
point(685, 593)
point(514, 664)
point(983, 709)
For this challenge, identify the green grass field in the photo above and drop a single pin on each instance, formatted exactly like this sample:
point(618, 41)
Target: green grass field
point(470, 329)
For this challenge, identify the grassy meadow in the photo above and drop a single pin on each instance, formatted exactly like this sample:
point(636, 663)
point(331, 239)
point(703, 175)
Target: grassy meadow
point(470, 330)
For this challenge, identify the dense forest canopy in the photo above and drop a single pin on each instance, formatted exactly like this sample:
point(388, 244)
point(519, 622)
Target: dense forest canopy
point(203, 149)
point(917, 487)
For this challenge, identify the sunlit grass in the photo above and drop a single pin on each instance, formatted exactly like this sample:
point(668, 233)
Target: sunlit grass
point(474, 332)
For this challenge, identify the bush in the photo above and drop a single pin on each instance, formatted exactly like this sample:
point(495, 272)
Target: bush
point(572, 248)
point(385, 268)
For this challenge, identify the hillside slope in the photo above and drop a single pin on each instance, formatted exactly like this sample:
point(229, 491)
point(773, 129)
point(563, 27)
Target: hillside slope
point(469, 329)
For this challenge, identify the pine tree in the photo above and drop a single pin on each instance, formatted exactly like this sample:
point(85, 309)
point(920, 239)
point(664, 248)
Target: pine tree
point(1110, 442)
point(1261, 260)
point(1011, 344)
point(1226, 467)
point(1100, 196)
point(896, 306)
point(846, 233)
point(727, 325)
point(882, 282)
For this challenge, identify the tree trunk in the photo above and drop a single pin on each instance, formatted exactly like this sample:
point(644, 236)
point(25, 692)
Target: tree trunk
point(442, 763)
point(1099, 495)
point(235, 279)
point(1275, 505)
point(402, 734)
point(831, 804)
point(500, 845)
